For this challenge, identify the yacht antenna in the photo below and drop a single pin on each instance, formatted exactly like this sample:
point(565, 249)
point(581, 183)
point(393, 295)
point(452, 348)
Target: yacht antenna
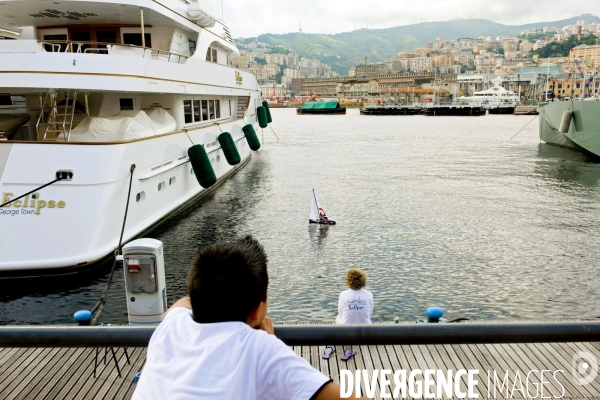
point(595, 94)
point(547, 79)
point(142, 24)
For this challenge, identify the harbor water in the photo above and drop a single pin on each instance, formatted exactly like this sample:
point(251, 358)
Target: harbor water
point(444, 211)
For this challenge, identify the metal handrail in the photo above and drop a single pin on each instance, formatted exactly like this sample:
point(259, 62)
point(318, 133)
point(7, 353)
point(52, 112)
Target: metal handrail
point(52, 116)
point(53, 45)
point(74, 105)
point(90, 49)
point(41, 111)
point(317, 335)
point(65, 115)
point(69, 48)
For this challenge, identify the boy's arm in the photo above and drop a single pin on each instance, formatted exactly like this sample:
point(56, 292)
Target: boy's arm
point(331, 391)
point(183, 302)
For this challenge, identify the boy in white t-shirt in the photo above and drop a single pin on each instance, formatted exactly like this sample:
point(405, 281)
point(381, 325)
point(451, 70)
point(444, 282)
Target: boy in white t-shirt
point(218, 343)
point(355, 306)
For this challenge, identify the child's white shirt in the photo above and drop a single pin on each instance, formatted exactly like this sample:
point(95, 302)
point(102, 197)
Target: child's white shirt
point(355, 307)
point(227, 360)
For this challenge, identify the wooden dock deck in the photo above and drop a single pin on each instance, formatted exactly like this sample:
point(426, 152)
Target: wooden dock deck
point(67, 373)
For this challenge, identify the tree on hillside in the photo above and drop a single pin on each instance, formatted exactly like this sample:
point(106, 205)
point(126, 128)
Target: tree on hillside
point(278, 50)
point(561, 49)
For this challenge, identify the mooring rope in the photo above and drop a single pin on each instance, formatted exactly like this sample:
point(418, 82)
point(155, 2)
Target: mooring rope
point(186, 133)
point(99, 307)
point(33, 191)
point(274, 133)
point(522, 128)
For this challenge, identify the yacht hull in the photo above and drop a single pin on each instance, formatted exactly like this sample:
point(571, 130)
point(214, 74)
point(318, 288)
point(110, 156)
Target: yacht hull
point(444, 110)
point(390, 110)
point(587, 139)
point(76, 223)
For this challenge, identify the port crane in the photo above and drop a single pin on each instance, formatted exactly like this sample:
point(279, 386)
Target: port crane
point(586, 81)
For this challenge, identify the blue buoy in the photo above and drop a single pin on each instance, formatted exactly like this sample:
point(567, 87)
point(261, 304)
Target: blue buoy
point(434, 314)
point(83, 317)
point(136, 377)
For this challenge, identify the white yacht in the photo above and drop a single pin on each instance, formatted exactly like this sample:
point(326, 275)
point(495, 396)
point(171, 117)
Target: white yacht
point(496, 99)
point(90, 88)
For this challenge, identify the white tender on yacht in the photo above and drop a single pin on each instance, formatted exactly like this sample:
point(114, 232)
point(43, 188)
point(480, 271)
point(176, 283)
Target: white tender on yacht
point(89, 88)
point(493, 98)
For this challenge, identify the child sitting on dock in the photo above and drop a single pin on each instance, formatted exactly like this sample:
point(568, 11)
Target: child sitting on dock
point(355, 306)
point(218, 343)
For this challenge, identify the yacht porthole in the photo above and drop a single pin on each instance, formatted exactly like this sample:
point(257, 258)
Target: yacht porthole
point(191, 171)
point(171, 181)
point(212, 160)
point(161, 186)
point(218, 158)
point(140, 197)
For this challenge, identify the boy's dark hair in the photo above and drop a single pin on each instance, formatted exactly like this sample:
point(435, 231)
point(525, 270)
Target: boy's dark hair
point(226, 281)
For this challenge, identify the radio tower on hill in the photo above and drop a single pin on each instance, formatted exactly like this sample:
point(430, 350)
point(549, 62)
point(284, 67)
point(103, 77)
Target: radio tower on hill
point(300, 29)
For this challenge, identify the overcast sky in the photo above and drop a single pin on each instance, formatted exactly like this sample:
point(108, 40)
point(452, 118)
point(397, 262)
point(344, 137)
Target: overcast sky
point(251, 18)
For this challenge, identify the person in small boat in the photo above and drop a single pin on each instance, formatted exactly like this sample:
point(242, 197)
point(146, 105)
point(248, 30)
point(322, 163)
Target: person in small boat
point(355, 306)
point(323, 216)
point(218, 343)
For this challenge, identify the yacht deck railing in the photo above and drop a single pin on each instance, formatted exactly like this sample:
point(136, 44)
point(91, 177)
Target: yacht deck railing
point(68, 46)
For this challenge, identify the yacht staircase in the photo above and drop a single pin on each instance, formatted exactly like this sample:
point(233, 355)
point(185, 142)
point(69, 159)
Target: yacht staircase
point(57, 115)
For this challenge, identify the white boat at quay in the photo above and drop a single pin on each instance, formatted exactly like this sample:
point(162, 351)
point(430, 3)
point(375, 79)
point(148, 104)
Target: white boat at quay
point(496, 99)
point(90, 88)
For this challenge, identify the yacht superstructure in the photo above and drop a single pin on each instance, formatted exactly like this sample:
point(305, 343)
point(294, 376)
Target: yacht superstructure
point(496, 99)
point(92, 88)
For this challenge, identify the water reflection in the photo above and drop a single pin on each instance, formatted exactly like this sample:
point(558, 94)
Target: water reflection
point(437, 211)
point(567, 166)
point(318, 234)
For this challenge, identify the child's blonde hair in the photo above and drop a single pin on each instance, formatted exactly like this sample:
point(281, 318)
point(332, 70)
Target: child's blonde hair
point(356, 278)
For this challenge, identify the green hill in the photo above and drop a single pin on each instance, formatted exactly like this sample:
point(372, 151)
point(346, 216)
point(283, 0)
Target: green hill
point(344, 50)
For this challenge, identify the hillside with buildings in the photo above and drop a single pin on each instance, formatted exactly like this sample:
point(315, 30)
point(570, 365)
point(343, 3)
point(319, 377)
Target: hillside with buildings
point(526, 60)
point(344, 50)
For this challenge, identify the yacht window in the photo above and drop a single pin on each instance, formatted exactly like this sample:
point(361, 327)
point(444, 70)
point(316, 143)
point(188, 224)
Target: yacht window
point(82, 36)
point(211, 109)
point(218, 108)
point(187, 111)
point(50, 48)
point(106, 36)
point(211, 55)
point(5, 101)
point(204, 110)
point(197, 111)
point(192, 46)
point(126, 104)
point(229, 107)
point(136, 39)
